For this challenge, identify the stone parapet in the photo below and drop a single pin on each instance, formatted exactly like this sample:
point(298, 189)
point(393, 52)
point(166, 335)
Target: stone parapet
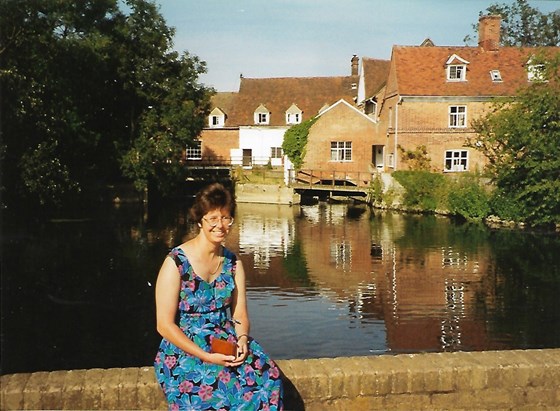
point(489, 380)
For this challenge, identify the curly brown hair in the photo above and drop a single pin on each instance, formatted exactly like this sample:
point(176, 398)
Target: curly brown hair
point(213, 196)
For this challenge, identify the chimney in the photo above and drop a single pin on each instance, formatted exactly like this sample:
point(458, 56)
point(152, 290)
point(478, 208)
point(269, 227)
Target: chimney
point(489, 32)
point(355, 60)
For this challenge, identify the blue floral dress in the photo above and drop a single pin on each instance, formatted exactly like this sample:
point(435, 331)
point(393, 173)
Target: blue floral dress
point(191, 384)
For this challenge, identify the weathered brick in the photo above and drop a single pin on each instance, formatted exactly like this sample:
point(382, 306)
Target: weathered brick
point(541, 397)
point(407, 402)
point(12, 390)
point(400, 381)
point(517, 380)
point(34, 390)
point(52, 397)
point(310, 379)
point(147, 386)
point(110, 389)
point(128, 397)
point(91, 395)
point(337, 377)
point(378, 376)
point(72, 392)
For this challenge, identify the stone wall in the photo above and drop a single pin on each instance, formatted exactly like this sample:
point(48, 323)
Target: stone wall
point(265, 194)
point(490, 380)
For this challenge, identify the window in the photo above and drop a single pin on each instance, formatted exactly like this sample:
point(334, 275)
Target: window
point(262, 115)
point(456, 160)
point(275, 152)
point(495, 76)
point(216, 118)
point(194, 152)
point(293, 118)
point(341, 151)
point(293, 115)
point(457, 116)
point(536, 72)
point(456, 72)
point(456, 68)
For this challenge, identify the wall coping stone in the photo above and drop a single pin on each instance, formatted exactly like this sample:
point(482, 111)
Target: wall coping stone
point(487, 380)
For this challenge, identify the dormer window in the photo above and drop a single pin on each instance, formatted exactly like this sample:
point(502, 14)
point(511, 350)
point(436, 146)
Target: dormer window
point(217, 118)
point(496, 76)
point(456, 68)
point(261, 115)
point(535, 70)
point(293, 115)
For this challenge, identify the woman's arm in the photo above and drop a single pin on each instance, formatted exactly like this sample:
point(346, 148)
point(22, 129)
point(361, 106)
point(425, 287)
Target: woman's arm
point(168, 286)
point(240, 314)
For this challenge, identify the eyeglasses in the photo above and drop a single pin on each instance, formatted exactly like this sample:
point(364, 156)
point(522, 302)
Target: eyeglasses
point(213, 221)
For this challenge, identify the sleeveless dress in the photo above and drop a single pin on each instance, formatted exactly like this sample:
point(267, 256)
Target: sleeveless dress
point(191, 384)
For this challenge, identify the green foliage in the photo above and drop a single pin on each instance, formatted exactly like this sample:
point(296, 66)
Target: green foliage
point(376, 190)
point(416, 159)
point(504, 207)
point(520, 139)
point(295, 140)
point(468, 198)
point(523, 25)
point(78, 80)
point(424, 190)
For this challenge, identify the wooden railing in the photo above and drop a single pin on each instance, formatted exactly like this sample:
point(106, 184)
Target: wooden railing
point(334, 179)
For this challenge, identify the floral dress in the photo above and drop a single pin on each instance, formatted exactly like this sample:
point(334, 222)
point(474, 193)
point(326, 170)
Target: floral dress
point(187, 381)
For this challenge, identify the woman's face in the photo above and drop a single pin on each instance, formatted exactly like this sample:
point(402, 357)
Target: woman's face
point(216, 224)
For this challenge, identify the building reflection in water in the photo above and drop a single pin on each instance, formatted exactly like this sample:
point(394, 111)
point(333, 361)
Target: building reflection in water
point(423, 290)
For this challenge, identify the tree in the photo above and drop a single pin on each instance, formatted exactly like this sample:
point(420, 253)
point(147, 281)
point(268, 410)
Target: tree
point(523, 25)
point(295, 140)
point(520, 138)
point(81, 83)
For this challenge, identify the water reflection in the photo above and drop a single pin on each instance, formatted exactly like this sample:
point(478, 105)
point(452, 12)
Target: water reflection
point(324, 280)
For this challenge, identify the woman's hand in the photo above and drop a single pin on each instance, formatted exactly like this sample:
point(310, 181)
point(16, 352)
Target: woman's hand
point(221, 359)
point(242, 351)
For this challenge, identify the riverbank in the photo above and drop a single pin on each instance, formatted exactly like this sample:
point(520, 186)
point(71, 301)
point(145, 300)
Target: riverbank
point(489, 380)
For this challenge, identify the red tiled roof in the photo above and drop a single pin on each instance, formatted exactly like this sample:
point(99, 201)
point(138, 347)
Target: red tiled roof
point(310, 94)
point(421, 71)
point(223, 100)
point(375, 74)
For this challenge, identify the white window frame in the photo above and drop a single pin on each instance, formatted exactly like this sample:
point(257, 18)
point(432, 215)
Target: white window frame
point(276, 152)
point(341, 151)
point(194, 152)
point(456, 161)
point(262, 118)
point(457, 116)
point(216, 119)
point(293, 118)
point(496, 76)
point(457, 72)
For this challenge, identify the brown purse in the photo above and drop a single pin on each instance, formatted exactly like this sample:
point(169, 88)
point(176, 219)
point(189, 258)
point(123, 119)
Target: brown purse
point(223, 347)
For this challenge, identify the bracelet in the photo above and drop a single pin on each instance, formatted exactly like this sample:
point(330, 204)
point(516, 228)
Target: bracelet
point(242, 335)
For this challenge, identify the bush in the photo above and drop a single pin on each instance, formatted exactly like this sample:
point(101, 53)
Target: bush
point(424, 190)
point(504, 207)
point(468, 199)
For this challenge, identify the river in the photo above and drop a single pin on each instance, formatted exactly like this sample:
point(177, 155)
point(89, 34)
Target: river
point(324, 280)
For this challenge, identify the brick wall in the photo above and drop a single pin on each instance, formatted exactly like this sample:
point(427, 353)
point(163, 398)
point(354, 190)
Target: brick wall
point(340, 124)
point(217, 143)
point(490, 380)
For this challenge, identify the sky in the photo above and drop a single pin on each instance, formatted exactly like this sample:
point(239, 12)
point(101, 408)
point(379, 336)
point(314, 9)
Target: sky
point(313, 38)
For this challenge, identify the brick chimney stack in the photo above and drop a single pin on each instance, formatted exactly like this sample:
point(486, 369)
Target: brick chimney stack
point(489, 32)
point(355, 60)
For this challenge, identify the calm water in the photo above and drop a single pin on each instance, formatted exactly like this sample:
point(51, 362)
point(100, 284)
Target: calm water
point(323, 281)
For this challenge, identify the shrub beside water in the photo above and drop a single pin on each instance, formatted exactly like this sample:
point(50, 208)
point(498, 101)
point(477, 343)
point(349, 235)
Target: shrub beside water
point(424, 190)
point(468, 198)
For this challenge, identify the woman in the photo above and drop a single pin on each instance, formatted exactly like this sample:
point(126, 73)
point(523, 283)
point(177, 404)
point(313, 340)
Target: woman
point(205, 283)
